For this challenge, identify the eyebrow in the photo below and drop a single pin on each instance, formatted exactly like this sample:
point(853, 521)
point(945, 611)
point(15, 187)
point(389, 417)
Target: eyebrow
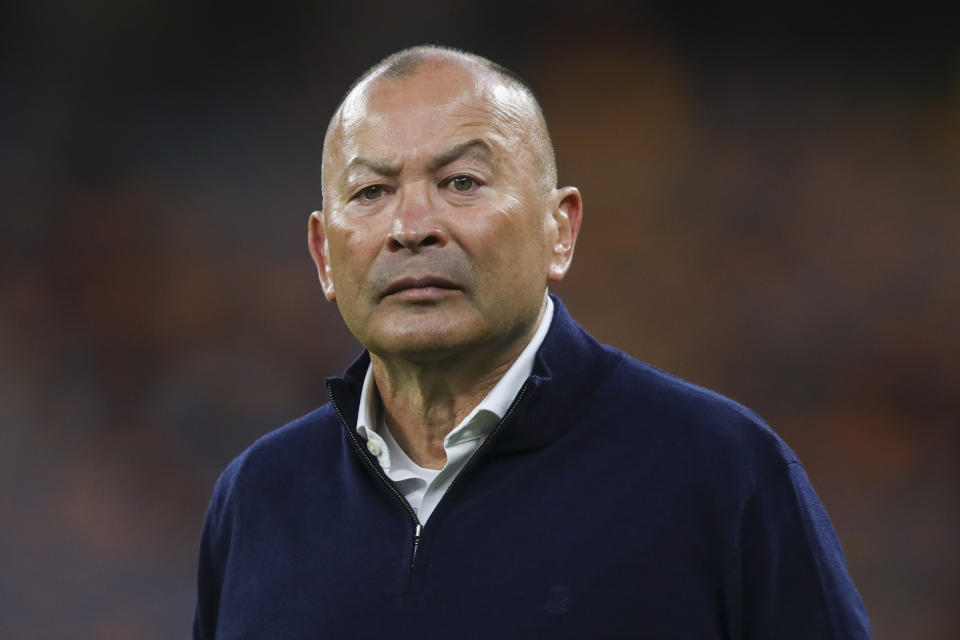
point(381, 167)
point(476, 147)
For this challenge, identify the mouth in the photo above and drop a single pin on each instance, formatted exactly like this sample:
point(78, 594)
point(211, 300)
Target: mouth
point(417, 288)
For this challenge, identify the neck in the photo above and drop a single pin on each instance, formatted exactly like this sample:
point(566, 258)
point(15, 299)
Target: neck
point(423, 402)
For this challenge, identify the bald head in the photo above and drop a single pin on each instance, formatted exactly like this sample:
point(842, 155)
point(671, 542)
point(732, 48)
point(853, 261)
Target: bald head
point(512, 100)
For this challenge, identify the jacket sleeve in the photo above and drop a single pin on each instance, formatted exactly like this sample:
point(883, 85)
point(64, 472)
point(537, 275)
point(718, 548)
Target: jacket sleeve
point(214, 547)
point(787, 576)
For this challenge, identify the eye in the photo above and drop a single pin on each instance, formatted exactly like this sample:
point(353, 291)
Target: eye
point(372, 192)
point(463, 183)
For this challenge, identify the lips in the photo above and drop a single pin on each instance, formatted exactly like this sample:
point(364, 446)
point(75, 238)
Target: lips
point(418, 283)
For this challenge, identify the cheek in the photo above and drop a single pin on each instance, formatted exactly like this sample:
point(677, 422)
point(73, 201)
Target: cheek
point(490, 239)
point(522, 234)
point(509, 250)
point(354, 245)
point(349, 259)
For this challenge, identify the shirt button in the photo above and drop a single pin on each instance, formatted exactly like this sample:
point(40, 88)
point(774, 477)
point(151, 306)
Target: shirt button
point(374, 447)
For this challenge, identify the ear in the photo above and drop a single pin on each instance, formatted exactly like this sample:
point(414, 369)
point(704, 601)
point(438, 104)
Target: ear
point(317, 242)
point(567, 212)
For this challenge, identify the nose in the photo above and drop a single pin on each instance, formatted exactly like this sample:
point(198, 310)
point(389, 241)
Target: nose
point(416, 224)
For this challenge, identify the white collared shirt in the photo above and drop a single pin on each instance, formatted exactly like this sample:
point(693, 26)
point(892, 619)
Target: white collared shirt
point(422, 487)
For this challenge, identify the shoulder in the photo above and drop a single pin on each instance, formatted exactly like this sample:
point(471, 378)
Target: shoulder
point(638, 408)
point(297, 445)
point(698, 421)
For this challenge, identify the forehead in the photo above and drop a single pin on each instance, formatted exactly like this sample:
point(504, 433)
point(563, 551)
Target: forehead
point(437, 106)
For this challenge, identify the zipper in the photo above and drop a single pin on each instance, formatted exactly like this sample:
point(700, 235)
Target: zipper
point(476, 454)
point(378, 471)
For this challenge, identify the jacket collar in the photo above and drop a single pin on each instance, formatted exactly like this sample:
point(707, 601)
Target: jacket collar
point(568, 368)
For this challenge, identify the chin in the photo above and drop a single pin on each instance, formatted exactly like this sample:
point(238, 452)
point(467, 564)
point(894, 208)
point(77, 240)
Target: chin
point(424, 339)
point(426, 346)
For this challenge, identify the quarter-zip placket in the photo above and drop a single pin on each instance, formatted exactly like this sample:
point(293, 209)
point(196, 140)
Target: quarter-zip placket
point(378, 470)
point(472, 461)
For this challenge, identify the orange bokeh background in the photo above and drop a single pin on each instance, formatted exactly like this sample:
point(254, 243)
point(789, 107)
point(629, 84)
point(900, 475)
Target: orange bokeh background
point(772, 210)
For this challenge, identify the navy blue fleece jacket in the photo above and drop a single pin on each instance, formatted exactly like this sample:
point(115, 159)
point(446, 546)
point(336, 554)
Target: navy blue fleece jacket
point(612, 501)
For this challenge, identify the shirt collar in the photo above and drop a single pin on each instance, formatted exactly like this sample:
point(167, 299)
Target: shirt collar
point(494, 405)
point(367, 420)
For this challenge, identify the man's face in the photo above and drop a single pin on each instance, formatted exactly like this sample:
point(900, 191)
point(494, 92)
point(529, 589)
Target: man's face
point(437, 236)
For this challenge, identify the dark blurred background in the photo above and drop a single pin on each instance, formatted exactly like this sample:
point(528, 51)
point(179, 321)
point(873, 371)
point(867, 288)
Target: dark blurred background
point(772, 210)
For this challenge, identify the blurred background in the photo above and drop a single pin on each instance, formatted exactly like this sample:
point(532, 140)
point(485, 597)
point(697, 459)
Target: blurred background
point(772, 210)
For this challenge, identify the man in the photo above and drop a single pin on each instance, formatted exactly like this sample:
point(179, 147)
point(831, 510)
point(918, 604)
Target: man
point(486, 469)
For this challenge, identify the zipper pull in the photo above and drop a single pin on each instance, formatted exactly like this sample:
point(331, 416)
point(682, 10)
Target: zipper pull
point(416, 541)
